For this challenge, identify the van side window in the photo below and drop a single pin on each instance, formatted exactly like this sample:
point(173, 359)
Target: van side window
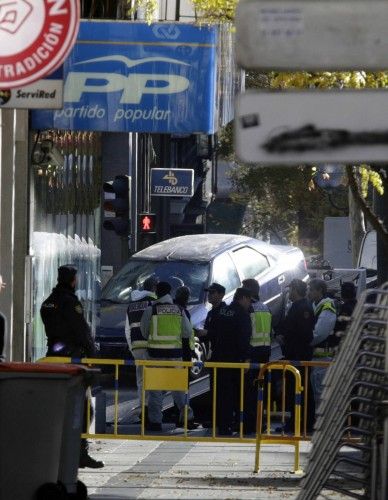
point(225, 273)
point(250, 262)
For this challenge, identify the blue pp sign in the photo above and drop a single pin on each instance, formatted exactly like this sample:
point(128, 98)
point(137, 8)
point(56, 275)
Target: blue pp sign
point(134, 77)
point(172, 182)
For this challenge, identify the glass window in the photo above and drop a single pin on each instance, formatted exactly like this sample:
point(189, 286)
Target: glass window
point(368, 254)
point(225, 273)
point(249, 262)
point(194, 275)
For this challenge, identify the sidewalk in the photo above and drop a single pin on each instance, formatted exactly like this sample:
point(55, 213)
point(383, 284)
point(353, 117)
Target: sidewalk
point(174, 470)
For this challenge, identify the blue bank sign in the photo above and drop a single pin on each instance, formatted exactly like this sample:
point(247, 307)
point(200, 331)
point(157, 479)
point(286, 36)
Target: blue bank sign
point(133, 77)
point(172, 182)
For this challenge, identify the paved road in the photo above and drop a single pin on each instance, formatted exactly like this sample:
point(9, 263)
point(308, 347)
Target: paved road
point(172, 470)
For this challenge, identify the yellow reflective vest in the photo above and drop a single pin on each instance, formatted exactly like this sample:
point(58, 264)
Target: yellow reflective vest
point(261, 320)
point(166, 327)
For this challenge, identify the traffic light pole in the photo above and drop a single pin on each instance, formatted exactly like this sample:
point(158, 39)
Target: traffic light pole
point(134, 161)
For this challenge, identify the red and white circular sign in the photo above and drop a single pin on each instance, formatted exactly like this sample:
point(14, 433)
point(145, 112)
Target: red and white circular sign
point(35, 38)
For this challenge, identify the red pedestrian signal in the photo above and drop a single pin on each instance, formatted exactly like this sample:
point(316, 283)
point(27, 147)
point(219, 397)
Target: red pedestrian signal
point(147, 223)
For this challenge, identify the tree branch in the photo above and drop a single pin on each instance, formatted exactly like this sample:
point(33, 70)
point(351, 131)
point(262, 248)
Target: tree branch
point(372, 218)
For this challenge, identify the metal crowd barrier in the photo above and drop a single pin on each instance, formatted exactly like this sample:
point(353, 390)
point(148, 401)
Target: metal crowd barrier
point(355, 386)
point(174, 375)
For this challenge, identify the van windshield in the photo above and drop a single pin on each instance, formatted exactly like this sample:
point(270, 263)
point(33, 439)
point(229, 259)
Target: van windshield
point(131, 277)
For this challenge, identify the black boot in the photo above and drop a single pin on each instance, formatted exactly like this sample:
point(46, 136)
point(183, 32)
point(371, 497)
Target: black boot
point(85, 460)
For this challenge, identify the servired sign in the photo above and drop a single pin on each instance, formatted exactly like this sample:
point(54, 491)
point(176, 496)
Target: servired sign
point(35, 38)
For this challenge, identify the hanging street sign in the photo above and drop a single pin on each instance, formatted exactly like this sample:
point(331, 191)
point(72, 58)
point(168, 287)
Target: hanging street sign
point(172, 182)
point(312, 34)
point(296, 127)
point(35, 38)
point(42, 94)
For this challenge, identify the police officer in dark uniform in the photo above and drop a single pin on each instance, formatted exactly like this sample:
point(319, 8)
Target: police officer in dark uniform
point(215, 297)
point(216, 293)
point(232, 336)
point(296, 335)
point(68, 333)
point(345, 311)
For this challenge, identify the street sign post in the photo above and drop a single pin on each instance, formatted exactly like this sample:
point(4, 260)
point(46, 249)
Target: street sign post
point(312, 34)
point(35, 38)
point(172, 182)
point(296, 127)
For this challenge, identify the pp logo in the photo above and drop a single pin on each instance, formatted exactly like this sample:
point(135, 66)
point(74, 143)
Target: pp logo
point(166, 31)
point(13, 14)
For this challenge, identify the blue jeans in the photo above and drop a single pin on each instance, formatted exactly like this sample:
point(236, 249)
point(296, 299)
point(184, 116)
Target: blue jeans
point(317, 377)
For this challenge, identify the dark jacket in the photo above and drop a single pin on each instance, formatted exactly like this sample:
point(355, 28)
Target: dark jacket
point(345, 312)
point(210, 322)
point(68, 333)
point(232, 333)
point(2, 335)
point(297, 330)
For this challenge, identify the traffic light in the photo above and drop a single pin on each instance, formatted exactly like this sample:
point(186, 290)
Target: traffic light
point(146, 230)
point(147, 223)
point(117, 205)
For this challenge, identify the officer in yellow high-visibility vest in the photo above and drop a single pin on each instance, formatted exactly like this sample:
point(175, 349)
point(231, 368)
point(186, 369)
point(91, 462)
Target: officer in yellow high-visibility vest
point(168, 330)
point(260, 350)
point(325, 318)
point(261, 319)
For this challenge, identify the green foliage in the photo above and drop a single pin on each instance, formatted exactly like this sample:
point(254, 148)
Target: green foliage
point(281, 202)
point(150, 8)
point(215, 11)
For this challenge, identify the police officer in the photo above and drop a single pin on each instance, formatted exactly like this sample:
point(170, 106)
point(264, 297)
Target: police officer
point(325, 318)
point(182, 296)
point(68, 333)
point(216, 293)
point(215, 297)
point(260, 351)
point(295, 336)
point(345, 311)
point(167, 329)
point(140, 300)
point(232, 335)
point(261, 319)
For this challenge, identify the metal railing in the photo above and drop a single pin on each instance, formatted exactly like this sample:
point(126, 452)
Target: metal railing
point(174, 375)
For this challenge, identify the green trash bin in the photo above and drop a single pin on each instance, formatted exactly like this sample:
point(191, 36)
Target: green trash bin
point(41, 416)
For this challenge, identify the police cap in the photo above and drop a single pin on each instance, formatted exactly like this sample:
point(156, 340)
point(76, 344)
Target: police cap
point(216, 287)
point(252, 285)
